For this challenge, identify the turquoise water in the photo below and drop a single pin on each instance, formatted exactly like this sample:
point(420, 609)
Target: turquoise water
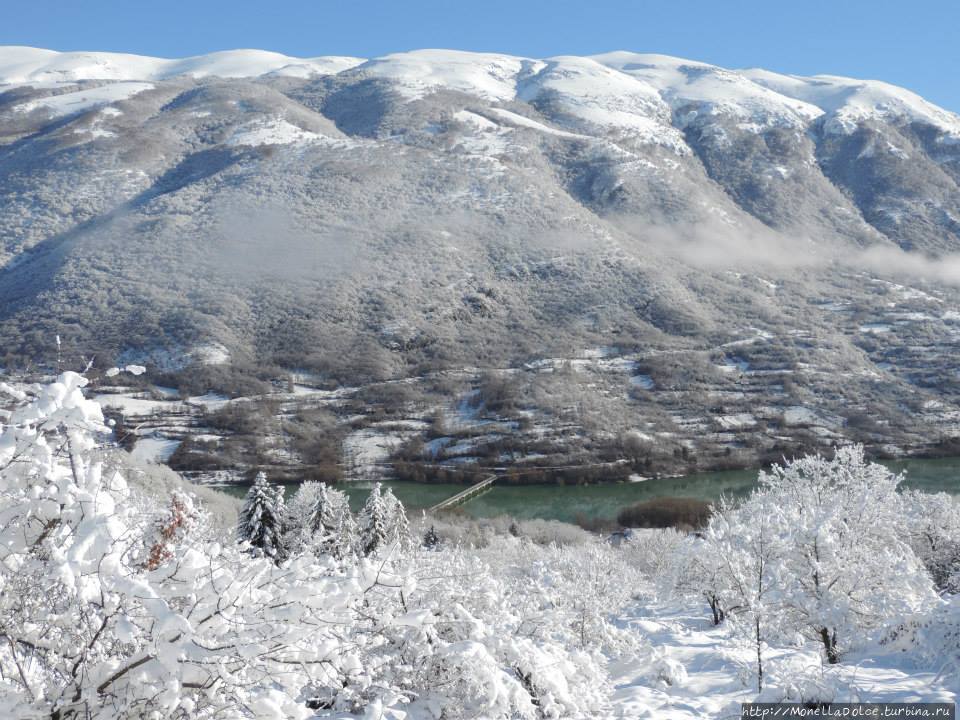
point(555, 502)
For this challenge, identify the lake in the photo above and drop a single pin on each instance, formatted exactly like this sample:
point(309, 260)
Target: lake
point(556, 502)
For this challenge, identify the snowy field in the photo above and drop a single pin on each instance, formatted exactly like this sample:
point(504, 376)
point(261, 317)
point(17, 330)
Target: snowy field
point(717, 678)
point(154, 450)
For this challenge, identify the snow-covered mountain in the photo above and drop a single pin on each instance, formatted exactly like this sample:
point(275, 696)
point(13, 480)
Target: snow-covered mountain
point(618, 86)
point(380, 218)
point(631, 83)
point(34, 66)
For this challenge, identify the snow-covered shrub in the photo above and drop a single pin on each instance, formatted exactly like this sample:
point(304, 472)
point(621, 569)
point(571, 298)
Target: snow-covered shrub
point(652, 551)
point(460, 531)
point(458, 635)
point(932, 526)
point(570, 592)
point(98, 621)
point(798, 679)
point(430, 538)
point(932, 637)
point(480, 532)
point(171, 528)
point(664, 671)
point(940, 639)
point(552, 532)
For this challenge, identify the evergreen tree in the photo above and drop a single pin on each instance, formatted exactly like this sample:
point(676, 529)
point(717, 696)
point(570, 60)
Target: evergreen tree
point(319, 518)
point(374, 529)
point(344, 530)
point(398, 527)
point(383, 521)
point(261, 519)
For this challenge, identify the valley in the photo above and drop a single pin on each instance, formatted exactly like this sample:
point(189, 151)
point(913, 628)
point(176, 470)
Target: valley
point(601, 415)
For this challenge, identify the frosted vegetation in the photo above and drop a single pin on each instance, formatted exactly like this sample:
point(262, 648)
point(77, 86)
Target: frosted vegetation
point(117, 602)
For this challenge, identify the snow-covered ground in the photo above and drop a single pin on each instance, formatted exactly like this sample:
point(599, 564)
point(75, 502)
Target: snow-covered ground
point(136, 404)
point(154, 449)
point(368, 450)
point(719, 674)
point(80, 101)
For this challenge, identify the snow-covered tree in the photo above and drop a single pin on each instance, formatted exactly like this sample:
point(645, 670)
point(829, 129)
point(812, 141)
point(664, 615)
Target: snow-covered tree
point(398, 526)
point(748, 549)
point(820, 549)
point(848, 570)
point(261, 519)
point(597, 585)
point(383, 522)
point(372, 520)
point(696, 568)
point(840, 566)
point(318, 518)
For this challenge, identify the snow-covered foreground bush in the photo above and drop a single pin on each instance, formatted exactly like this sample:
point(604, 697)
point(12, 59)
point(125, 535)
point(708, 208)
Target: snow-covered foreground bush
point(113, 605)
point(467, 643)
point(824, 551)
point(107, 612)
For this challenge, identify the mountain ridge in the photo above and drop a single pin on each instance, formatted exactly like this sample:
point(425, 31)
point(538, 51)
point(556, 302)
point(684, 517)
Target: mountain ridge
point(20, 65)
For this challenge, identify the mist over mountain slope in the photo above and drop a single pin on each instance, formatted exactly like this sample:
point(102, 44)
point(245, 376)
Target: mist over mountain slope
point(385, 218)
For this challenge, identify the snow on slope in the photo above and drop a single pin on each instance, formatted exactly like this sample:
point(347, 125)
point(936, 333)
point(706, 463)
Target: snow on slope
point(719, 91)
point(276, 131)
point(851, 101)
point(80, 101)
point(521, 121)
point(483, 139)
point(715, 683)
point(23, 65)
point(416, 73)
point(154, 449)
point(597, 96)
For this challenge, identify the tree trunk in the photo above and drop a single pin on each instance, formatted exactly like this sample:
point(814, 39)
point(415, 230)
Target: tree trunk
point(830, 645)
point(716, 610)
point(759, 659)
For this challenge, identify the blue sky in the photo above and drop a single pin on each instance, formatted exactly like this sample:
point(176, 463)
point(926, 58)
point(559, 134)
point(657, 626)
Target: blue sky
point(914, 44)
